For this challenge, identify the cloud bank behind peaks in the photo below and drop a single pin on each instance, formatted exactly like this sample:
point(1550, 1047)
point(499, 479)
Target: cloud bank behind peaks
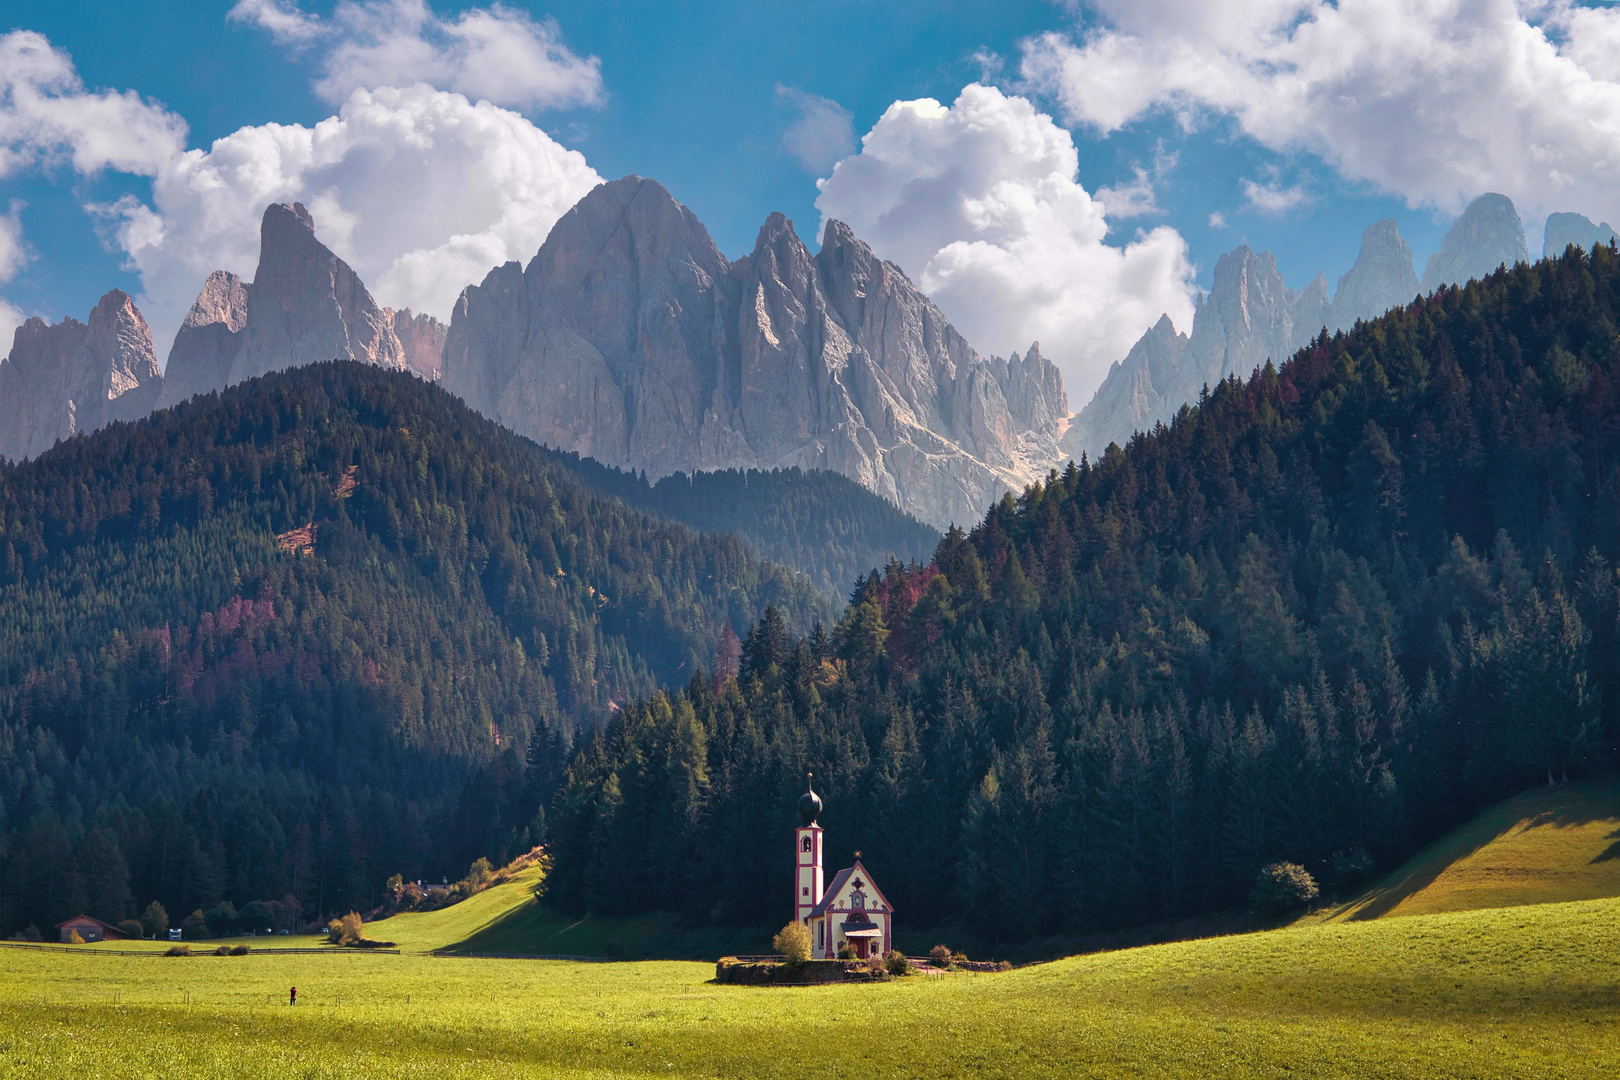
point(979, 203)
point(1434, 100)
point(420, 190)
point(495, 54)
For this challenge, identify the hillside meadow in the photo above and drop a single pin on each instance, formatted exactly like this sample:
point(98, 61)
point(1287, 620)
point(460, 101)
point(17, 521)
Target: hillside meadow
point(1546, 845)
point(1521, 992)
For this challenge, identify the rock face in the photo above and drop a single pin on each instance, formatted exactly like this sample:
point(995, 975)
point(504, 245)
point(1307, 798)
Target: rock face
point(1566, 229)
point(1133, 396)
point(205, 348)
point(1249, 317)
point(1383, 277)
point(71, 377)
point(1489, 234)
point(421, 340)
point(304, 305)
point(631, 339)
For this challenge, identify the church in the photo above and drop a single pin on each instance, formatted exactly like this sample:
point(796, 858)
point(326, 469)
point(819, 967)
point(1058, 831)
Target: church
point(851, 911)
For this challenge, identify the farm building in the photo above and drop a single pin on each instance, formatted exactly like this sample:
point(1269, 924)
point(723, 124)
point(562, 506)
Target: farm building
point(851, 911)
point(89, 929)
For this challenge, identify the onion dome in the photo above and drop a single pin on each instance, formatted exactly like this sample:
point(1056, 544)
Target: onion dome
point(809, 803)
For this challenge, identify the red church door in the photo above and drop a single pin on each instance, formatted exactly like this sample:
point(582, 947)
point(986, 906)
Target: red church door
point(860, 948)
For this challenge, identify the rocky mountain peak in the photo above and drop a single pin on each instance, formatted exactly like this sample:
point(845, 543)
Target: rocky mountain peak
point(304, 305)
point(75, 376)
point(629, 337)
point(1249, 317)
point(1383, 277)
point(1487, 235)
point(1566, 229)
point(119, 343)
point(421, 340)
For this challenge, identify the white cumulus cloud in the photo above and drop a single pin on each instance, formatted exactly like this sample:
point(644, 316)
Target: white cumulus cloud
point(823, 134)
point(286, 23)
point(48, 116)
point(497, 54)
point(979, 203)
point(420, 190)
point(1434, 100)
point(12, 251)
point(1274, 197)
point(10, 319)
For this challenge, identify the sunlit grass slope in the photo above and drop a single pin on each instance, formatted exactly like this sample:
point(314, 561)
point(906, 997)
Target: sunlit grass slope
point(1545, 846)
point(1519, 992)
point(430, 930)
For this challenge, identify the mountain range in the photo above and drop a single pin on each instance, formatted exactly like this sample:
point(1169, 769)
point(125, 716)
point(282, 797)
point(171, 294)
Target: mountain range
point(1250, 317)
point(629, 338)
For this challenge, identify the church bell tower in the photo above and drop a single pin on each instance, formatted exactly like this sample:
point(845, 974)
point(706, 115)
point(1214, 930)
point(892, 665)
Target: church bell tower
point(807, 847)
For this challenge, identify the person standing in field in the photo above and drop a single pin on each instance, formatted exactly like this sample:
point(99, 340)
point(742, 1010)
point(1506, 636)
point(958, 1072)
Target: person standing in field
point(292, 999)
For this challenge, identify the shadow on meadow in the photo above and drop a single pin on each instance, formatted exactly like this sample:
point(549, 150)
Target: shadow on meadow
point(1539, 842)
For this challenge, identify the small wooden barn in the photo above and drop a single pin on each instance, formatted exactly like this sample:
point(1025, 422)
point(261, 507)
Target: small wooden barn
point(89, 929)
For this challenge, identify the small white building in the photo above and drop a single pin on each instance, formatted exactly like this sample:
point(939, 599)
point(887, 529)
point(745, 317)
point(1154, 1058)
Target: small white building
point(851, 911)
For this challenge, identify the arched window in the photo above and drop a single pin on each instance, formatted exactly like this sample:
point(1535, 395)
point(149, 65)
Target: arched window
point(806, 844)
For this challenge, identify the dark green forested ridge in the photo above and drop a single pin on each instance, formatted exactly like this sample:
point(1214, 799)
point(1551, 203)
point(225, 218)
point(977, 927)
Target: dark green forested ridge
point(191, 713)
point(1324, 615)
point(821, 523)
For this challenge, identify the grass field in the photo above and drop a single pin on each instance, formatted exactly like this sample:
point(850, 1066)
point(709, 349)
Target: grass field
point(1520, 992)
point(1545, 846)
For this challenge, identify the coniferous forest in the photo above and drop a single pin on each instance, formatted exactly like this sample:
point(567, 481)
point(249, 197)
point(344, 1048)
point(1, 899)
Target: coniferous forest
point(1322, 616)
point(821, 523)
point(280, 643)
point(277, 644)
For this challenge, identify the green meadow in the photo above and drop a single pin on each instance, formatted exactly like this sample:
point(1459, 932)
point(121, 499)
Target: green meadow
point(1506, 992)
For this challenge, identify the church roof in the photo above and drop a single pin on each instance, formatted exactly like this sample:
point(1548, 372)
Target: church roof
point(832, 891)
point(838, 883)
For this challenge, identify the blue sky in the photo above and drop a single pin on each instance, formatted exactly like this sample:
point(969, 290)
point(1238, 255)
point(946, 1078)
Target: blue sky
point(701, 96)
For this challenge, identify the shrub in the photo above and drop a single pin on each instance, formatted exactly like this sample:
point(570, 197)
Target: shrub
point(195, 925)
point(897, 963)
point(178, 950)
point(1004, 965)
point(74, 938)
point(940, 955)
point(30, 934)
point(479, 875)
point(1282, 888)
point(155, 919)
point(793, 942)
point(223, 950)
point(132, 928)
point(348, 930)
point(846, 952)
point(240, 950)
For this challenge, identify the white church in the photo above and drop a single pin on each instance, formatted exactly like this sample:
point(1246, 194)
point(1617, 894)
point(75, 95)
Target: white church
point(851, 911)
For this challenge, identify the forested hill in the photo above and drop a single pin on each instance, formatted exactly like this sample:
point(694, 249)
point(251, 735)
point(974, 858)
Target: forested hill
point(295, 637)
point(821, 523)
point(1321, 617)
